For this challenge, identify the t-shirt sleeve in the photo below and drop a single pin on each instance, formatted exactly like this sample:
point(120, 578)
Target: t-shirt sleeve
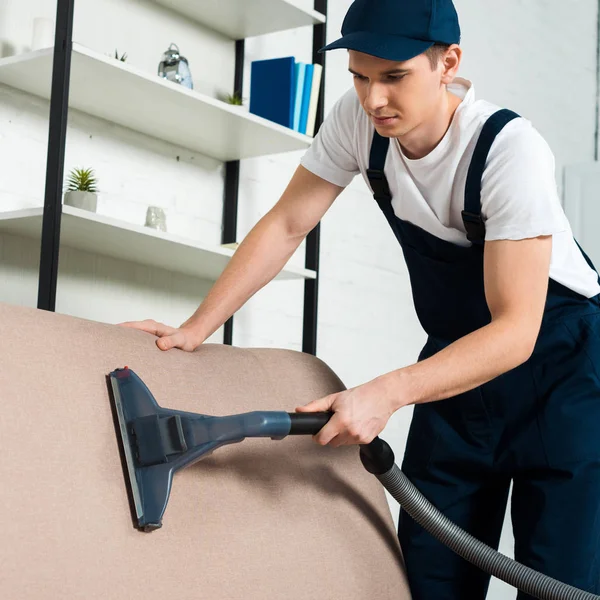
point(519, 196)
point(331, 155)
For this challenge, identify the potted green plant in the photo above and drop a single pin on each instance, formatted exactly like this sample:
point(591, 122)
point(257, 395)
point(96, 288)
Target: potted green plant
point(82, 189)
point(234, 99)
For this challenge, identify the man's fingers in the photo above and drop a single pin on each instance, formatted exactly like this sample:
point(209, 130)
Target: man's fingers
point(179, 339)
point(131, 324)
point(170, 341)
point(327, 435)
point(168, 337)
point(329, 431)
point(339, 440)
point(149, 326)
point(164, 343)
point(319, 405)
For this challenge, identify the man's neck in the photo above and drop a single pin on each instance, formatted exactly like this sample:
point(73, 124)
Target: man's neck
point(420, 141)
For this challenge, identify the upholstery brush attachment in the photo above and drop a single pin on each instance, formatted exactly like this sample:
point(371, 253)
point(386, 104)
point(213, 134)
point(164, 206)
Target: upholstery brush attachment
point(156, 442)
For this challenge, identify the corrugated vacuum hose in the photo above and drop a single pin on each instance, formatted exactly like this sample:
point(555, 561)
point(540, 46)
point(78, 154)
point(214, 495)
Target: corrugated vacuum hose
point(377, 458)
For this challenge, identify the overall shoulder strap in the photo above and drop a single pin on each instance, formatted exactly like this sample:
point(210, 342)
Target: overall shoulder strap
point(472, 210)
point(377, 179)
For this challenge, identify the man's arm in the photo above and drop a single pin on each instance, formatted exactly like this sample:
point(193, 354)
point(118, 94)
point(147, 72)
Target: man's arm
point(257, 260)
point(516, 283)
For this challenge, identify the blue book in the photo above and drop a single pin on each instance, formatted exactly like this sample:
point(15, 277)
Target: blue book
point(272, 89)
point(308, 77)
point(300, 73)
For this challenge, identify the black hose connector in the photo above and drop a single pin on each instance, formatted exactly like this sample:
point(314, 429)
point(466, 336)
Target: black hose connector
point(377, 457)
point(308, 423)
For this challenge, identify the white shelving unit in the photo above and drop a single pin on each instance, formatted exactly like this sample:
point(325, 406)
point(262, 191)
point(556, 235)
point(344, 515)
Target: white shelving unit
point(239, 19)
point(115, 91)
point(120, 93)
point(107, 236)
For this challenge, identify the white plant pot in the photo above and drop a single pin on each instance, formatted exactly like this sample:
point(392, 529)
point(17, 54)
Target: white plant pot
point(83, 200)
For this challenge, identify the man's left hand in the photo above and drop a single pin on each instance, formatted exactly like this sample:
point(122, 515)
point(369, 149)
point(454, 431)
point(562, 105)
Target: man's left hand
point(360, 413)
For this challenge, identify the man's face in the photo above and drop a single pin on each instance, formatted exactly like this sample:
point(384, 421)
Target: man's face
point(397, 96)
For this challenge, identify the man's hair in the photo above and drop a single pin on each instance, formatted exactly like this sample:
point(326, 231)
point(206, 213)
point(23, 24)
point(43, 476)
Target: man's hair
point(435, 53)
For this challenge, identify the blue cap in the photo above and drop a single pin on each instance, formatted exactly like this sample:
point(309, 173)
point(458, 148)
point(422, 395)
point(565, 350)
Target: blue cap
point(397, 29)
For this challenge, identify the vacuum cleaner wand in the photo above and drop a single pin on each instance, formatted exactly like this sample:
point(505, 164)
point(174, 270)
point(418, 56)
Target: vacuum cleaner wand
point(156, 442)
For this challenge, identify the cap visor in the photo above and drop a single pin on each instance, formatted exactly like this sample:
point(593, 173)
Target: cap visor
point(390, 47)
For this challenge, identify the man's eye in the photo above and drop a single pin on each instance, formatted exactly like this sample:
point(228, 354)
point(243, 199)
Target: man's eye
point(395, 77)
point(361, 77)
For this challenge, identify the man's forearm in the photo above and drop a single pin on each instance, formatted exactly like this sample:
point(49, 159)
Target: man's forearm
point(257, 260)
point(465, 364)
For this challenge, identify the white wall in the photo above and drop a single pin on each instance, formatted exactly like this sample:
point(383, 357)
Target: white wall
point(537, 57)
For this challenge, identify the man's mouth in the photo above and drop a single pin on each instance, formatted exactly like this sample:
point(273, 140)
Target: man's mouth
point(383, 120)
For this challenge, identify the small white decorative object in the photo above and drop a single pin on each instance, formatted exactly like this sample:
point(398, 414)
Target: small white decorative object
point(156, 219)
point(43, 33)
point(81, 190)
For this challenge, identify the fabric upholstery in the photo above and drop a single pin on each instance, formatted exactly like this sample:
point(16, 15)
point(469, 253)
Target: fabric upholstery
point(261, 519)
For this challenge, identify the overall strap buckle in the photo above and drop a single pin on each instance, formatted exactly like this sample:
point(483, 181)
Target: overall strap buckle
point(375, 174)
point(379, 184)
point(475, 226)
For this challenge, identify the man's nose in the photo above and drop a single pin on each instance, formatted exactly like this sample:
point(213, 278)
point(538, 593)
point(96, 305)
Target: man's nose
point(376, 97)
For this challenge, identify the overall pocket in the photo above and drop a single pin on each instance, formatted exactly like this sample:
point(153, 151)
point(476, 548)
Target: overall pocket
point(565, 369)
point(450, 432)
point(422, 434)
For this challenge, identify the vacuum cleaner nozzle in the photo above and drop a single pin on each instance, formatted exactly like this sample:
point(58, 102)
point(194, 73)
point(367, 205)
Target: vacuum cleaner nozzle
point(156, 442)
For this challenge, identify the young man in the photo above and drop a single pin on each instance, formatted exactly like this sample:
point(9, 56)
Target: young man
point(507, 387)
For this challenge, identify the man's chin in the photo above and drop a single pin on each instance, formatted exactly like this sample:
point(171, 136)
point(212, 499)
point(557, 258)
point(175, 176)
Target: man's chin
point(391, 132)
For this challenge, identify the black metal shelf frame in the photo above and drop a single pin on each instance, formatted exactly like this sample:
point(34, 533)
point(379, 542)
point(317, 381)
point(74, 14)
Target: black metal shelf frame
point(57, 131)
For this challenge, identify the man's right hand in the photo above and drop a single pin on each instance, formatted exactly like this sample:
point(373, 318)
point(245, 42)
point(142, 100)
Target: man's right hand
point(168, 337)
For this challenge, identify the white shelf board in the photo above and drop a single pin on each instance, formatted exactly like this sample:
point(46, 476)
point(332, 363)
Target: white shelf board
point(239, 19)
point(107, 236)
point(110, 89)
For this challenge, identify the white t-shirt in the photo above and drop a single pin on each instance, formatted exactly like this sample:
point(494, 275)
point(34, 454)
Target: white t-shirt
point(519, 197)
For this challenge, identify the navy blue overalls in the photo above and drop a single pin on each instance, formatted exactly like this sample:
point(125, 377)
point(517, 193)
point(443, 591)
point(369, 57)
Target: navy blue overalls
point(537, 425)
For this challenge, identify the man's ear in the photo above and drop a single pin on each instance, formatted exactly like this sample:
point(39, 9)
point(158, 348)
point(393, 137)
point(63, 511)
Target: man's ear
point(450, 63)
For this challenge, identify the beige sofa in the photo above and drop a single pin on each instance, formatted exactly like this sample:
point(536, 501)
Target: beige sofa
point(261, 519)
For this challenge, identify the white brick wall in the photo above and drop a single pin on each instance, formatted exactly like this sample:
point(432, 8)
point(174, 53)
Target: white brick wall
point(534, 56)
